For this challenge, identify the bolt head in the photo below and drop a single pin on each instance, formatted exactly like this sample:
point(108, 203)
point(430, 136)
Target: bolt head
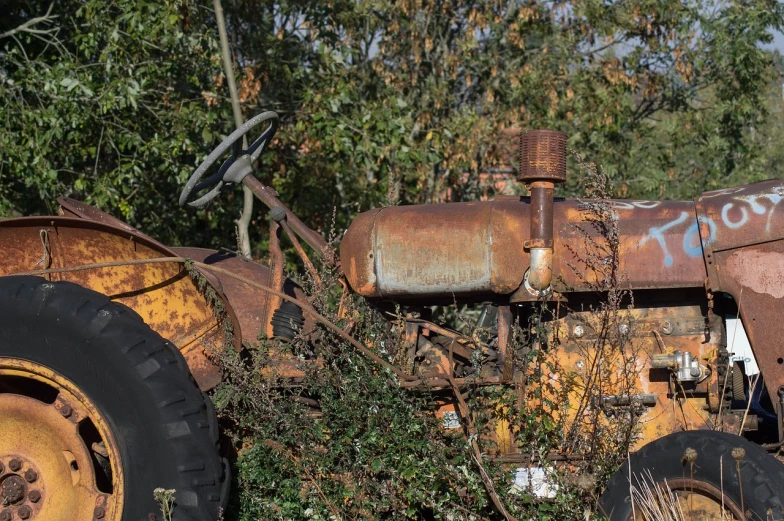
point(66, 411)
point(15, 464)
point(25, 512)
point(99, 512)
point(666, 327)
point(6, 515)
point(34, 496)
point(30, 476)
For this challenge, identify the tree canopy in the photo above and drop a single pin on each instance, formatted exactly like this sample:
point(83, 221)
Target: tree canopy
point(381, 102)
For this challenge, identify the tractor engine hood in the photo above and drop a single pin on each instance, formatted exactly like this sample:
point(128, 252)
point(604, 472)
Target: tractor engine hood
point(476, 250)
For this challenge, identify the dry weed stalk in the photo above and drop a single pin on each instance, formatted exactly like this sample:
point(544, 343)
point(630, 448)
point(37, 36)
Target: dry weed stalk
point(611, 359)
point(655, 501)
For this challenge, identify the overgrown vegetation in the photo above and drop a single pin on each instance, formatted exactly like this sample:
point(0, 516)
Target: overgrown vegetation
point(343, 440)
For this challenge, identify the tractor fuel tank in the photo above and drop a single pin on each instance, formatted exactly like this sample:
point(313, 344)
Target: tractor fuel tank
point(475, 250)
point(436, 250)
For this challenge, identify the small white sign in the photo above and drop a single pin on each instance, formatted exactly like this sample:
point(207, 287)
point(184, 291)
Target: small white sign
point(536, 481)
point(451, 420)
point(739, 347)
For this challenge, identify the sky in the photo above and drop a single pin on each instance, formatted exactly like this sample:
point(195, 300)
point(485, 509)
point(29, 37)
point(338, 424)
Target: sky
point(778, 42)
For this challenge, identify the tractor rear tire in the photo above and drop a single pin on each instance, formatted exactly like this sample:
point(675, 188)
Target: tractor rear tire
point(702, 463)
point(69, 350)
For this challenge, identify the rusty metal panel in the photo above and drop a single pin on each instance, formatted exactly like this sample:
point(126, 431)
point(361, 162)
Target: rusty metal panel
point(162, 294)
point(754, 276)
point(742, 233)
point(659, 245)
point(249, 304)
point(476, 249)
point(652, 330)
point(73, 208)
point(737, 217)
point(436, 250)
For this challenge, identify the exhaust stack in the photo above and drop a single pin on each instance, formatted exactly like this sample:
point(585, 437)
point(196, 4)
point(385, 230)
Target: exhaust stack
point(542, 164)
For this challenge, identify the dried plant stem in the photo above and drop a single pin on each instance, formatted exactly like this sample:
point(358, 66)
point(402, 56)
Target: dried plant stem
point(243, 223)
point(721, 482)
point(471, 434)
point(752, 388)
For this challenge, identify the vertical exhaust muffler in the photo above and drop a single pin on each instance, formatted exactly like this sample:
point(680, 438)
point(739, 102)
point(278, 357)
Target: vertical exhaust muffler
point(542, 164)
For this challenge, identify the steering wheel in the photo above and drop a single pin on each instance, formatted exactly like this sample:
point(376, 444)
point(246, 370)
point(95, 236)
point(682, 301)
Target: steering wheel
point(236, 167)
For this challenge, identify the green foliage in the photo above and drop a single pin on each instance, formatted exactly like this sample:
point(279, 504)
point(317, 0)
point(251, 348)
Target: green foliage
point(372, 449)
point(107, 106)
point(382, 102)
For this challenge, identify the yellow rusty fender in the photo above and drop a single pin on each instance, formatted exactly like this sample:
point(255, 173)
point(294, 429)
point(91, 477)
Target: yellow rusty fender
point(164, 295)
point(44, 439)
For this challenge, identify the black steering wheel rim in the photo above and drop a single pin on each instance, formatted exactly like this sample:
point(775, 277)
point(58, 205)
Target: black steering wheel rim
point(236, 167)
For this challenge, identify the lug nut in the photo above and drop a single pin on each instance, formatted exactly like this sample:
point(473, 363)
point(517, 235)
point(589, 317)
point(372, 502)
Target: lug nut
point(6, 515)
point(25, 512)
point(31, 475)
point(99, 512)
point(34, 496)
point(66, 411)
point(15, 464)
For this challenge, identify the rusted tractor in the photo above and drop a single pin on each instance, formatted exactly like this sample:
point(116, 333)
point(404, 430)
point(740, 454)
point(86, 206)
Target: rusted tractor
point(103, 333)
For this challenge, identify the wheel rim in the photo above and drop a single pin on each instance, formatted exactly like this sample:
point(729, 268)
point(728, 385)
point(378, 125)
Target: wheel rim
point(58, 458)
point(700, 501)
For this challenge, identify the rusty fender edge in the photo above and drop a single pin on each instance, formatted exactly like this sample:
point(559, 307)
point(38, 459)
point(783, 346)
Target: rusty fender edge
point(164, 295)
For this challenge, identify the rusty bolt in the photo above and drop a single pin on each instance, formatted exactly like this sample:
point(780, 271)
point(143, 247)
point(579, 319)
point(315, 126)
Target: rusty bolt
point(99, 512)
point(25, 512)
point(66, 411)
point(666, 327)
point(6, 515)
point(15, 464)
point(34, 496)
point(31, 475)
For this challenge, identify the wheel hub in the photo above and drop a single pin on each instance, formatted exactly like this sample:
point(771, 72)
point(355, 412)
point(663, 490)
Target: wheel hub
point(13, 489)
point(19, 491)
point(47, 468)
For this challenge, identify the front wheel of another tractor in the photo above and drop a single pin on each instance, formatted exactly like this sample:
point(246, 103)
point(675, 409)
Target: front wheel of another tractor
point(97, 411)
point(703, 475)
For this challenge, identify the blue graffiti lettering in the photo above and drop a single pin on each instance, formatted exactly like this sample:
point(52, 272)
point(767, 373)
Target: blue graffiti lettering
point(754, 201)
point(692, 245)
point(658, 234)
point(736, 224)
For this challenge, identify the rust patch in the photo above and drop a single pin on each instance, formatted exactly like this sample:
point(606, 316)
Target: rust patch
point(759, 271)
